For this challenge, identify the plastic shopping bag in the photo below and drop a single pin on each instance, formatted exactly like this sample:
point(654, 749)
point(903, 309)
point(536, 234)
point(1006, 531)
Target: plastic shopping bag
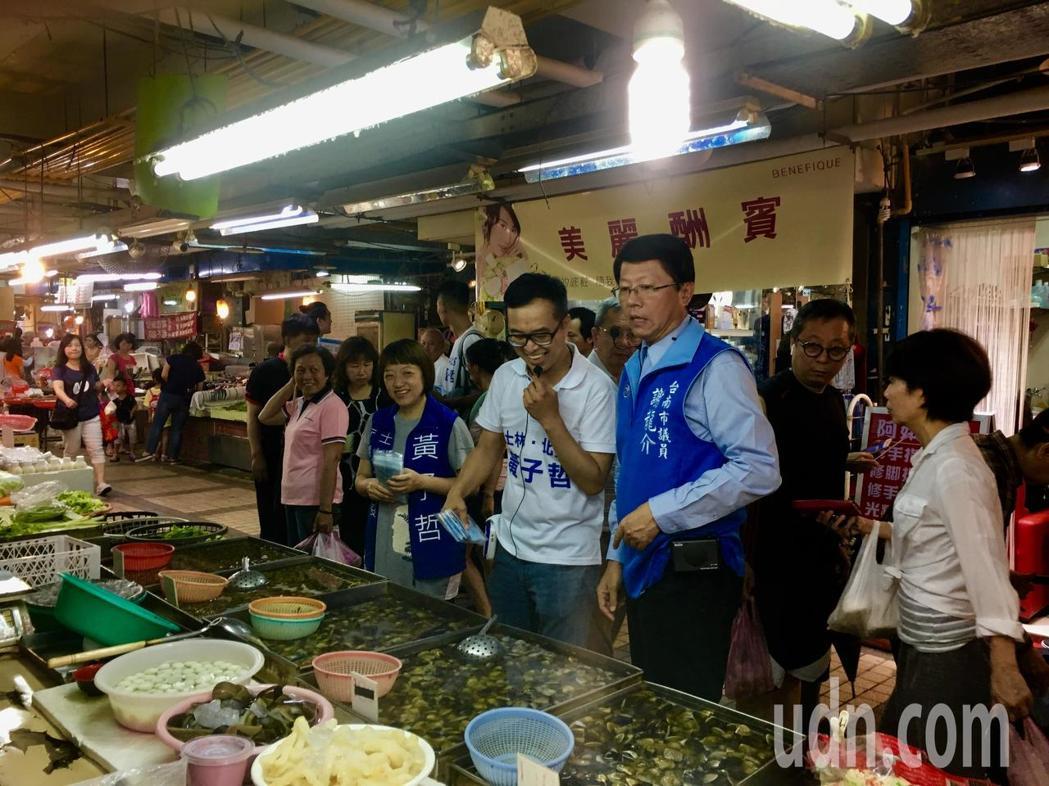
point(329, 545)
point(749, 671)
point(1028, 756)
point(867, 607)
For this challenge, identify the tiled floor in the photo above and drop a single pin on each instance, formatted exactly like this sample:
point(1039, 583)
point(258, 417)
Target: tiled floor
point(208, 493)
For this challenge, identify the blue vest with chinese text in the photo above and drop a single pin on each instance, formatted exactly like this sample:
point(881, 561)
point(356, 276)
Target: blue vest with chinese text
point(658, 452)
point(435, 553)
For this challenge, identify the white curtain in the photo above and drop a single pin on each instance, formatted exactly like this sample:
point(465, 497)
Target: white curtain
point(985, 292)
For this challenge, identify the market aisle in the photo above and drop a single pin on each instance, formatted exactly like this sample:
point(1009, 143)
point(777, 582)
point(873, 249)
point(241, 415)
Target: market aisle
point(218, 494)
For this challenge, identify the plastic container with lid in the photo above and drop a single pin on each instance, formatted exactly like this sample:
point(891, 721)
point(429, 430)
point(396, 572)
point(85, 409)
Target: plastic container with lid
point(218, 760)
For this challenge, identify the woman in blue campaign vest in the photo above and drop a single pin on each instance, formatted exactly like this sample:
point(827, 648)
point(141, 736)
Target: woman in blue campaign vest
point(423, 443)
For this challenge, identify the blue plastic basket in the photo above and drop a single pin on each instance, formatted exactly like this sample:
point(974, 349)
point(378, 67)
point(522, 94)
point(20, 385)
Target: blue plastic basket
point(494, 739)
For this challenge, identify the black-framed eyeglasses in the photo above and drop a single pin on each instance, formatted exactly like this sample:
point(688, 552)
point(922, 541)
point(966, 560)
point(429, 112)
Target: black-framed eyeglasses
point(541, 338)
point(814, 349)
point(643, 291)
point(624, 339)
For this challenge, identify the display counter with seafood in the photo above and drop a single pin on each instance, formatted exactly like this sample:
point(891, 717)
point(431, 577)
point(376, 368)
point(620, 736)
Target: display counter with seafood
point(383, 617)
point(227, 555)
point(648, 735)
point(304, 576)
point(439, 689)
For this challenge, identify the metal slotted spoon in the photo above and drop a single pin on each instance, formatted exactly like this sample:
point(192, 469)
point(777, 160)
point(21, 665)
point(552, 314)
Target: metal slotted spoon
point(480, 647)
point(247, 578)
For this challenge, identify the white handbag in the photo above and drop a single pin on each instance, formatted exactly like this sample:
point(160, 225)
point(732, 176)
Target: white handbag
point(867, 607)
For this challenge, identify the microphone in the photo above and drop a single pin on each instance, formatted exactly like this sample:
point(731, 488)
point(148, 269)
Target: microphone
point(537, 370)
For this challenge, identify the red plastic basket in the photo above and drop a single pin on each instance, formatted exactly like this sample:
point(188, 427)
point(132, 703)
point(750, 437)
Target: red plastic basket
point(18, 422)
point(140, 557)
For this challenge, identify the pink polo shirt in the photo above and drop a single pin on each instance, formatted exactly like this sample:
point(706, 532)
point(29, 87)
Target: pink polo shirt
point(321, 423)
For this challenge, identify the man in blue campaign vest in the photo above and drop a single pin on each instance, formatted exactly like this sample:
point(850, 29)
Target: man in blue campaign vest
point(694, 449)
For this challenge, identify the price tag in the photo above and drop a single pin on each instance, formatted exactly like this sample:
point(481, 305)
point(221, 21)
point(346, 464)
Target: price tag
point(530, 773)
point(170, 592)
point(402, 540)
point(365, 700)
point(118, 562)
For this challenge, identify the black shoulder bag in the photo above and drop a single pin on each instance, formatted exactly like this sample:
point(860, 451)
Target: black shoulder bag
point(65, 418)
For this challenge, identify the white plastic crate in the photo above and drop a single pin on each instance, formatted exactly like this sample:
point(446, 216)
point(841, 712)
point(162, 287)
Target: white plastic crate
point(44, 560)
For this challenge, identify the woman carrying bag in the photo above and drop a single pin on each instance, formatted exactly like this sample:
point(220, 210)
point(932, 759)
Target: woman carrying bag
point(76, 385)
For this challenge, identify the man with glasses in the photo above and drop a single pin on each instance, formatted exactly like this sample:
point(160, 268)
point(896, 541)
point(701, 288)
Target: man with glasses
point(552, 411)
point(694, 448)
point(800, 561)
point(613, 338)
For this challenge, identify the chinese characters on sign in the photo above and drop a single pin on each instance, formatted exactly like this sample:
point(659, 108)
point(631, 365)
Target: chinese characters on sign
point(182, 325)
point(691, 226)
point(620, 231)
point(656, 436)
point(572, 243)
point(534, 470)
point(760, 217)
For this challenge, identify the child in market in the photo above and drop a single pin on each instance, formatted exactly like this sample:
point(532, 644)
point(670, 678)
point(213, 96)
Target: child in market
point(125, 408)
point(404, 540)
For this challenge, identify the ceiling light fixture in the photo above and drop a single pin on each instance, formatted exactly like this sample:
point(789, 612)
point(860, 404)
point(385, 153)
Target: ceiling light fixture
point(284, 295)
point(140, 286)
point(191, 296)
point(103, 298)
point(95, 278)
point(79, 320)
point(161, 226)
point(1029, 160)
point(964, 169)
point(56, 249)
point(33, 271)
point(495, 55)
point(748, 126)
point(222, 309)
point(56, 308)
point(374, 287)
point(129, 307)
point(897, 13)
point(50, 273)
point(829, 17)
point(659, 95)
point(478, 181)
point(170, 302)
point(321, 273)
point(292, 215)
point(459, 265)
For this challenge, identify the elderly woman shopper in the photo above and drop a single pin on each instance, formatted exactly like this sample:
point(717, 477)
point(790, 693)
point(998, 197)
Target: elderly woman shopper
point(315, 421)
point(958, 614)
point(76, 386)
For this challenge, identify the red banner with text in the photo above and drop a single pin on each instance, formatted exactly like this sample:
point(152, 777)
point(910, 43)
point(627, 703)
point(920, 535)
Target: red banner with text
point(182, 325)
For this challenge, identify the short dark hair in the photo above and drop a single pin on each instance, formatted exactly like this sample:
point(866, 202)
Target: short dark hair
point(312, 349)
point(823, 310)
point(1036, 432)
point(586, 319)
point(409, 352)
point(193, 349)
point(672, 253)
point(128, 337)
point(949, 367)
point(454, 293)
point(354, 348)
point(489, 354)
point(317, 309)
point(537, 286)
point(158, 376)
point(299, 325)
point(92, 337)
point(13, 347)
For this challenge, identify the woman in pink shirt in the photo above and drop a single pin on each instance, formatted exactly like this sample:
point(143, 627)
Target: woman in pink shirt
point(315, 421)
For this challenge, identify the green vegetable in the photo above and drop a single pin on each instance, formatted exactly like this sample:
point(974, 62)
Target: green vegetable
point(40, 513)
point(10, 483)
point(81, 502)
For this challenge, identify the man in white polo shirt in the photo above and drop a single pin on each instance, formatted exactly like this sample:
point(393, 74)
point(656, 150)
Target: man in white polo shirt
point(554, 414)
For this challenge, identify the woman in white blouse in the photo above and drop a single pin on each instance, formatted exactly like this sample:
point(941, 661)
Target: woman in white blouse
point(958, 614)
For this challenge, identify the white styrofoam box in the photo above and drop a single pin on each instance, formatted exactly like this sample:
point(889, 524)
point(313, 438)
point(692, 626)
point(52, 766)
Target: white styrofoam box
point(82, 479)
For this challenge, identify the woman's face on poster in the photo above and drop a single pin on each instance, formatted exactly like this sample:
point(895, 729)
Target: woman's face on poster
point(503, 235)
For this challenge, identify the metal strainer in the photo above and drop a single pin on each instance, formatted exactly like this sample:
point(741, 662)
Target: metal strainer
point(246, 578)
point(480, 647)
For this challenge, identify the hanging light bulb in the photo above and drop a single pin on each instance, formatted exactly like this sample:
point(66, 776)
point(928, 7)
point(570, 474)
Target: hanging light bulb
point(659, 95)
point(191, 296)
point(79, 319)
point(222, 309)
point(129, 306)
point(33, 271)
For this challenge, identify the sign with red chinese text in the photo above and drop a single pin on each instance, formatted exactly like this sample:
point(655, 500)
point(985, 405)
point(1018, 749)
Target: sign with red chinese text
point(781, 222)
point(877, 488)
point(183, 325)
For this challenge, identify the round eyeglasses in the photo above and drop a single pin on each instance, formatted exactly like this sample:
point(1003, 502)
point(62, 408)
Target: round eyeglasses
point(813, 349)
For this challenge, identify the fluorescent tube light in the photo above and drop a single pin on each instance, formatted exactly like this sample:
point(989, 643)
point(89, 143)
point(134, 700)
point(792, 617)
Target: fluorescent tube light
point(358, 288)
point(894, 12)
point(50, 273)
point(828, 17)
point(303, 217)
point(57, 307)
point(288, 294)
point(495, 56)
point(104, 298)
point(162, 226)
point(170, 302)
point(87, 278)
point(289, 211)
point(747, 127)
point(55, 249)
point(140, 286)
point(478, 181)
point(111, 249)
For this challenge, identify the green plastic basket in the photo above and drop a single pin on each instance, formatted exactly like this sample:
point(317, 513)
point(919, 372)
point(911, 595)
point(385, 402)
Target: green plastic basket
point(105, 617)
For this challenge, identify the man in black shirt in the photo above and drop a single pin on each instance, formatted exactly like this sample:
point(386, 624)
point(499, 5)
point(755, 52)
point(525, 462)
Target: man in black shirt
point(267, 442)
point(799, 562)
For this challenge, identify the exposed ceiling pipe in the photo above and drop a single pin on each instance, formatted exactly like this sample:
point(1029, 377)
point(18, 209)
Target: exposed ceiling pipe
point(391, 22)
point(289, 45)
point(1033, 100)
